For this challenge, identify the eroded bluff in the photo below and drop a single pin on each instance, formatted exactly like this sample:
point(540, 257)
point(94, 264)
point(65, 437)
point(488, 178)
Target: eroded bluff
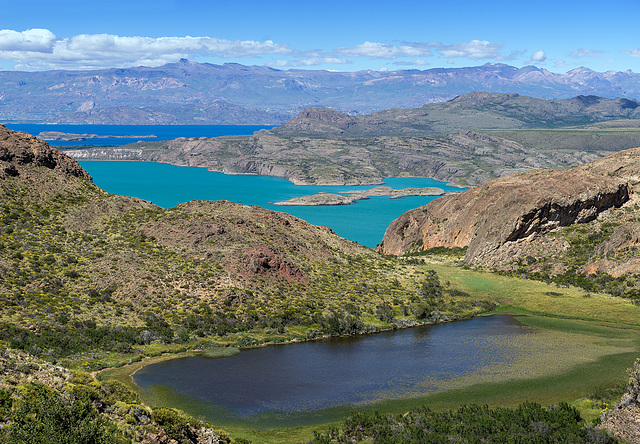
point(495, 221)
point(18, 149)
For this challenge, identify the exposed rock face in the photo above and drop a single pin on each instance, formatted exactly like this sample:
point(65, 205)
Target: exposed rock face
point(18, 148)
point(493, 219)
point(264, 260)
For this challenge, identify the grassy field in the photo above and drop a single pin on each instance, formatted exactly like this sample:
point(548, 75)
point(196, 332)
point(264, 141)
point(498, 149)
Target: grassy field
point(581, 345)
point(533, 297)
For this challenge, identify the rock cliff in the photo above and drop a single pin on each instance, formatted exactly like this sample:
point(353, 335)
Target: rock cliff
point(497, 220)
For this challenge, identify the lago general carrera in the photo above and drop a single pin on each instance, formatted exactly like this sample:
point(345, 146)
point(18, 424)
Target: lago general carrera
point(532, 339)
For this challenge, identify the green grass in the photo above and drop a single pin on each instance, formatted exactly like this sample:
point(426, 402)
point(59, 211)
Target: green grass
point(527, 296)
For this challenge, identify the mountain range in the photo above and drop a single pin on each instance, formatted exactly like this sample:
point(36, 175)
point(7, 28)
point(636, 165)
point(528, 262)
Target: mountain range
point(187, 92)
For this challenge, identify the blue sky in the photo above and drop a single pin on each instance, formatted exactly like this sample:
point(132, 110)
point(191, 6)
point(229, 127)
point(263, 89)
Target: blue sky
point(347, 35)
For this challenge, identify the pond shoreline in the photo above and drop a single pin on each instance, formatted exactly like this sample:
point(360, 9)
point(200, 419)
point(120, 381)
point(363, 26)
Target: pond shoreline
point(127, 371)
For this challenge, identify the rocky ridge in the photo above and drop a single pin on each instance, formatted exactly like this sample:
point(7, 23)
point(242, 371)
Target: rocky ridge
point(522, 215)
point(17, 148)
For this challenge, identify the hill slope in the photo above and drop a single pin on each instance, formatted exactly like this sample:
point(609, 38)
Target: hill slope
point(81, 269)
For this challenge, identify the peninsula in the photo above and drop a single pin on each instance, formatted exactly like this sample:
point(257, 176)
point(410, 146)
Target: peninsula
point(467, 141)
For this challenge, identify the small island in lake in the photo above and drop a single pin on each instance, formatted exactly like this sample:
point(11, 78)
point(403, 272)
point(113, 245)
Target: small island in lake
point(57, 135)
point(321, 199)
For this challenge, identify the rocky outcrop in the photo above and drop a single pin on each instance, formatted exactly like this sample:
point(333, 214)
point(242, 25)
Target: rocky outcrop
point(18, 149)
point(623, 420)
point(319, 120)
point(494, 219)
point(264, 260)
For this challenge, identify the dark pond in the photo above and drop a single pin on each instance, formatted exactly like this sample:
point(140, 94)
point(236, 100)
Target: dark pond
point(315, 375)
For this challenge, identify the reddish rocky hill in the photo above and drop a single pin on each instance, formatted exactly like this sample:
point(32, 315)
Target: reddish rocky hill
point(521, 217)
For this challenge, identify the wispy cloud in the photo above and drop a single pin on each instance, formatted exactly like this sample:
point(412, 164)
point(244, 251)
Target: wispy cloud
point(384, 51)
point(475, 50)
point(308, 61)
point(417, 62)
point(41, 49)
point(584, 52)
point(632, 52)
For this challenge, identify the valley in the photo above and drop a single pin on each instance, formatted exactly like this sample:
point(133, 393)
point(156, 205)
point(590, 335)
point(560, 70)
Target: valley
point(94, 283)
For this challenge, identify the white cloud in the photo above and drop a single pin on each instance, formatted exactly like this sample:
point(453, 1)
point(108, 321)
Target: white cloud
point(538, 56)
point(583, 52)
point(308, 61)
point(36, 40)
point(416, 62)
point(560, 63)
point(41, 49)
point(335, 61)
point(475, 49)
point(632, 52)
point(384, 51)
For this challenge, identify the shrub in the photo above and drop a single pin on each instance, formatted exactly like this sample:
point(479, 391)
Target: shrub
point(177, 425)
point(43, 416)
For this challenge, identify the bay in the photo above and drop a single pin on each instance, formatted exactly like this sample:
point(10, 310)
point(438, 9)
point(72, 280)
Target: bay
point(364, 221)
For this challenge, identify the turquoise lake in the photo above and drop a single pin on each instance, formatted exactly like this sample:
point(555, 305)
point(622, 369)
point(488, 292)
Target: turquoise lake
point(165, 185)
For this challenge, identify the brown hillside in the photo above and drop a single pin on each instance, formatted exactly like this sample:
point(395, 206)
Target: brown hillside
point(500, 220)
